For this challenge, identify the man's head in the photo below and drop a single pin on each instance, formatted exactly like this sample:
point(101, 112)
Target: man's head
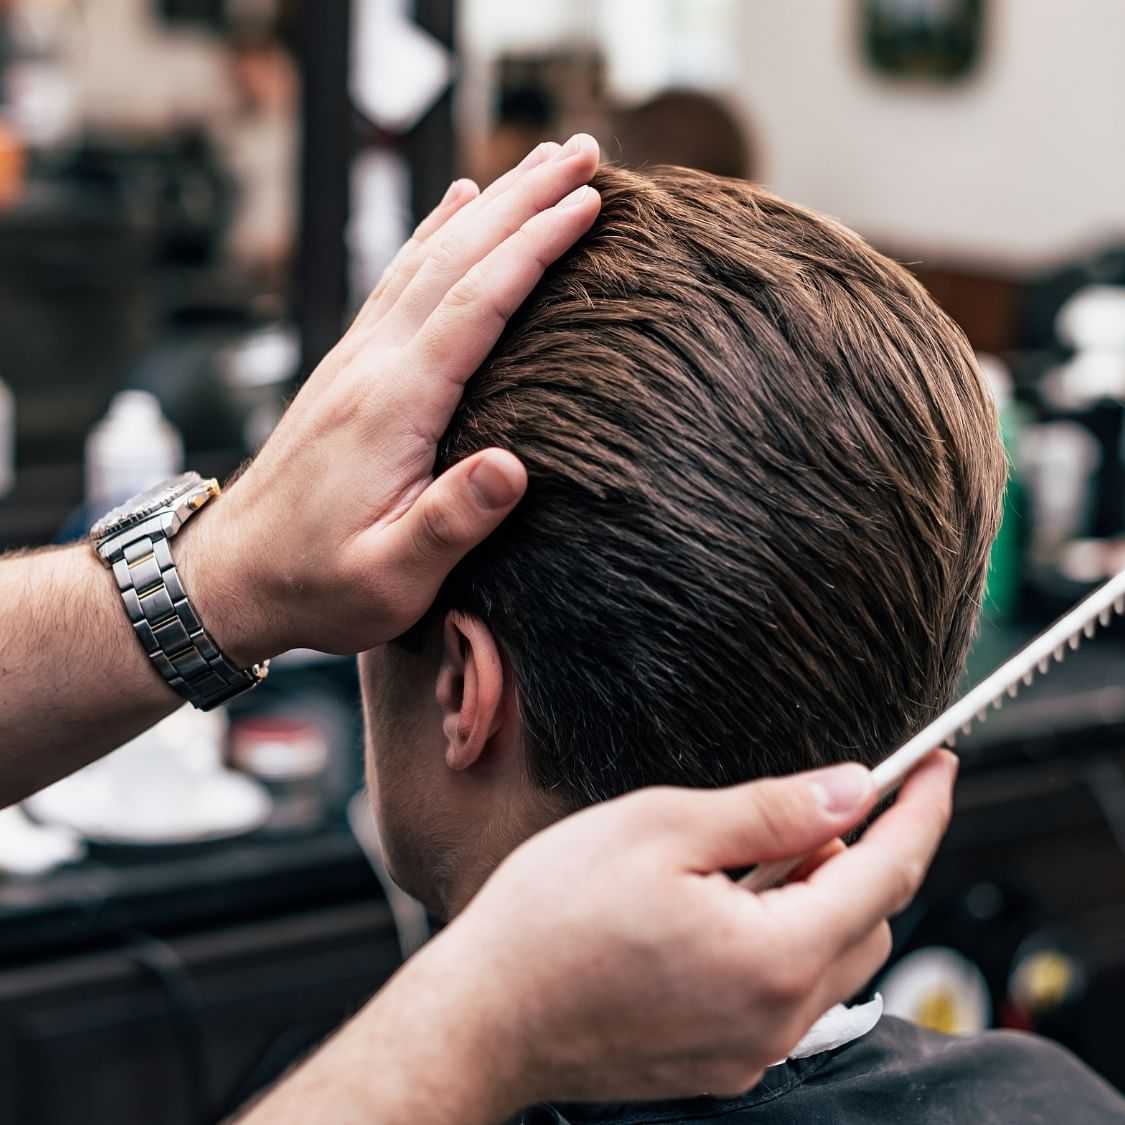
point(764, 479)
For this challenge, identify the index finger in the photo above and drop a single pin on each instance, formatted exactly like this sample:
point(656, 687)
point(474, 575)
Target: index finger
point(478, 229)
point(855, 891)
point(460, 332)
point(461, 193)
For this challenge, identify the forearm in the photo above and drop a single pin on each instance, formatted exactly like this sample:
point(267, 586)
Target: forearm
point(74, 681)
point(432, 1048)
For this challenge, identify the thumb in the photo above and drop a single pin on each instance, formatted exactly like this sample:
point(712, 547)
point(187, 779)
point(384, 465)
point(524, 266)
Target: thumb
point(779, 818)
point(456, 512)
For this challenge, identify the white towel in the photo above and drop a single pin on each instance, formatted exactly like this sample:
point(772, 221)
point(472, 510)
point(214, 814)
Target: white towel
point(839, 1025)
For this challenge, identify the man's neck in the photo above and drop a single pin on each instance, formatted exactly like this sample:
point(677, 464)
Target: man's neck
point(497, 838)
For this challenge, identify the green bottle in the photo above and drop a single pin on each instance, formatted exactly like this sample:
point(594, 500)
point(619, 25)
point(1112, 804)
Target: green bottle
point(1005, 566)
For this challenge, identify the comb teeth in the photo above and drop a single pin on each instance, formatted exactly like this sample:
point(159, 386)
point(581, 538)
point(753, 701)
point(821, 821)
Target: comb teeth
point(1065, 635)
point(1048, 648)
point(1070, 642)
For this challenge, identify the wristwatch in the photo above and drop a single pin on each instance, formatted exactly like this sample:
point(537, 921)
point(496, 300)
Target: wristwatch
point(133, 540)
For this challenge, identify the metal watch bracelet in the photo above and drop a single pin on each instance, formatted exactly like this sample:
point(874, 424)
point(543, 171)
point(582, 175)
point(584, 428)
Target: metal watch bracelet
point(170, 630)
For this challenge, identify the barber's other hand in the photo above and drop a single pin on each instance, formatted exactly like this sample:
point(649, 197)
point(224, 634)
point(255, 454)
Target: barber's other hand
point(613, 960)
point(337, 537)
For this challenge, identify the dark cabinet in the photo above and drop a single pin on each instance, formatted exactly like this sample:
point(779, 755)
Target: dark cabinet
point(178, 1031)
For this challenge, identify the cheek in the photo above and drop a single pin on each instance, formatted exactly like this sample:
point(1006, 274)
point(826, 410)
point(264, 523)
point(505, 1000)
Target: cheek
point(377, 715)
point(398, 749)
point(396, 792)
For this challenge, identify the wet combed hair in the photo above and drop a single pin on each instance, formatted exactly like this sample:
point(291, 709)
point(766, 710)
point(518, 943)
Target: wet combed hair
point(765, 475)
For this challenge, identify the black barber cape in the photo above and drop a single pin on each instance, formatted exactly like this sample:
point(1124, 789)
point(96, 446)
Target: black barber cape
point(895, 1073)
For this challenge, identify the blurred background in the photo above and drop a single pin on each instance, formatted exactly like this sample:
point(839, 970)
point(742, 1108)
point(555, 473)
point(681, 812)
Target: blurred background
point(194, 197)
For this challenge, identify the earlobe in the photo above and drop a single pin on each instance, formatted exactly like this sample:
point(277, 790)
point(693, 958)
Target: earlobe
point(469, 689)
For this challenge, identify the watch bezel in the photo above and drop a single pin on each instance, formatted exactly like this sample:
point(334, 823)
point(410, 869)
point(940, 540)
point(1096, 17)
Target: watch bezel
point(156, 499)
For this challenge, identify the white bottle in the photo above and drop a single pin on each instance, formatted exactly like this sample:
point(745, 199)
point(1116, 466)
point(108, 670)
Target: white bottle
point(132, 448)
point(7, 439)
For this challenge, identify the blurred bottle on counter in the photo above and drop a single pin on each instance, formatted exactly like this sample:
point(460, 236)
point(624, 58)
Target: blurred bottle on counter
point(1061, 461)
point(1005, 569)
point(1092, 323)
point(1086, 394)
point(132, 448)
point(7, 439)
point(41, 102)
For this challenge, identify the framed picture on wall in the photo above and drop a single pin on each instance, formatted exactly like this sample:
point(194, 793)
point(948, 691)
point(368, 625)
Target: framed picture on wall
point(931, 40)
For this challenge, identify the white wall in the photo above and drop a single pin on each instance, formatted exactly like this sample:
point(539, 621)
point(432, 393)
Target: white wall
point(1022, 164)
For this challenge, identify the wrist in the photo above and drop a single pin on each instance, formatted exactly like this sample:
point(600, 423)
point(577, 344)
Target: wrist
point(221, 582)
point(477, 1007)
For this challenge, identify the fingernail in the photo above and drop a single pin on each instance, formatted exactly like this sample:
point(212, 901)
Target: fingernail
point(579, 195)
point(580, 142)
point(452, 192)
point(538, 154)
point(841, 789)
point(492, 487)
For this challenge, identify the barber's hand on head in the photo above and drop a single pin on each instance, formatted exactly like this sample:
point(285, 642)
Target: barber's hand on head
point(337, 537)
point(620, 962)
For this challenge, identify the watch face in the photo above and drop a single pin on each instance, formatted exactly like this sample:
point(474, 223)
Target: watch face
point(146, 504)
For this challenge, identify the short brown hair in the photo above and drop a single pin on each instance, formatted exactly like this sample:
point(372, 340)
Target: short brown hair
point(764, 478)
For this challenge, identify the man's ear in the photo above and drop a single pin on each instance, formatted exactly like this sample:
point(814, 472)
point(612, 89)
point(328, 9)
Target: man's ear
point(470, 687)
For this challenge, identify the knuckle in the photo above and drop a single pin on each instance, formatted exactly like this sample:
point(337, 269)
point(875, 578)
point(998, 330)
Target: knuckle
point(429, 351)
point(341, 409)
point(473, 293)
point(443, 255)
point(408, 250)
point(401, 263)
point(465, 294)
point(907, 879)
point(769, 816)
point(775, 810)
point(377, 294)
point(883, 943)
point(411, 258)
point(383, 284)
point(867, 959)
point(438, 529)
point(529, 246)
point(789, 982)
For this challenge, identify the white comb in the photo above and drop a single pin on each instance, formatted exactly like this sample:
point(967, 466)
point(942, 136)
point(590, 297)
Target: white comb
point(1051, 645)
